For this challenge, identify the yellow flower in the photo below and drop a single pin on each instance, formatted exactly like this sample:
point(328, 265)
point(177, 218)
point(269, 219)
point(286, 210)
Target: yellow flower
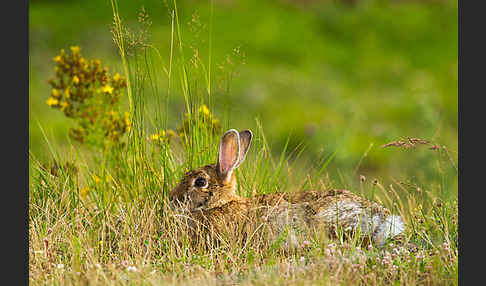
point(52, 101)
point(76, 79)
point(107, 89)
point(116, 77)
point(204, 109)
point(75, 49)
point(67, 92)
point(64, 104)
point(158, 137)
point(85, 67)
point(57, 59)
point(97, 179)
point(84, 191)
point(155, 137)
point(128, 123)
point(55, 93)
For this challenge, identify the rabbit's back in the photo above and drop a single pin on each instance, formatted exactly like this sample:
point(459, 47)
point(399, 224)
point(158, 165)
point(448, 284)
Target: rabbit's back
point(338, 207)
point(331, 211)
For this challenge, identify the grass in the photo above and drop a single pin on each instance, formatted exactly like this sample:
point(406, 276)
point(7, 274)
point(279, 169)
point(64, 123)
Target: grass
point(106, 221)
point(120, 231)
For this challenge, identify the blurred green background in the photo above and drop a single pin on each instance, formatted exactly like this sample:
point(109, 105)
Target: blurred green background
point(344, 76)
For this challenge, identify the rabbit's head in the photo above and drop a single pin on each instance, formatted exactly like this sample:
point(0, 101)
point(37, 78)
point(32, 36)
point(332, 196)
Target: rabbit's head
point(214, 185)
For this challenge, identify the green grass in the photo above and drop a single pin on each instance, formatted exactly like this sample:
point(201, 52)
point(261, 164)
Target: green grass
point(321, 86)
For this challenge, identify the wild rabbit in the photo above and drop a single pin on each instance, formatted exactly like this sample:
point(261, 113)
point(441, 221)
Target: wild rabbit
point(209, 194)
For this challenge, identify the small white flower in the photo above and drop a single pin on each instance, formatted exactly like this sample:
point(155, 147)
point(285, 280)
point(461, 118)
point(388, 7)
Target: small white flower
point(60, 266)
point(302, 259)
point(132, 269)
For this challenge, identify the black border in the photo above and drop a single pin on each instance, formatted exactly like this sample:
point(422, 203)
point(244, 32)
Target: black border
point(15, 135)
point(471, 79)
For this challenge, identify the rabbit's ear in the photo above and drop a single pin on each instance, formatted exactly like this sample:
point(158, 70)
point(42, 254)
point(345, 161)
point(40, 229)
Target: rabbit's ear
point(245, 141)
point(229, 150)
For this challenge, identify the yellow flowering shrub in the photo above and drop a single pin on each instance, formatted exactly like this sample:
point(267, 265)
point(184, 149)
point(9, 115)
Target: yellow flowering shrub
point(161, 136)
point(85, 91)
point(204, 118)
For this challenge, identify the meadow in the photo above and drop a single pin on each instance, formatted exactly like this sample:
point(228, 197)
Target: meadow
point(359, 95)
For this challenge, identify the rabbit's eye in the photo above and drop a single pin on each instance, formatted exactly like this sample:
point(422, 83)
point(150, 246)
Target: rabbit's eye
point(201, 182)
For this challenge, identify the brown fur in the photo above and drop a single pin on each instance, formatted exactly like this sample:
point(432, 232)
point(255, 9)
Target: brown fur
point(216, 194)
point(217, 207)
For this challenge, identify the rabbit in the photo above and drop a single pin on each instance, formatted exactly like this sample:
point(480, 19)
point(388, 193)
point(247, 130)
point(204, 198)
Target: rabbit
point(209, 194)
